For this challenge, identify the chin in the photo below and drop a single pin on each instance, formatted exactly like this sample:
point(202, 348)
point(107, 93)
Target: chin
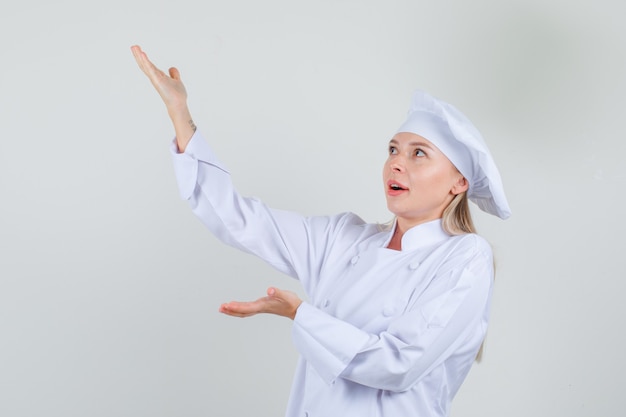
point(395, 207)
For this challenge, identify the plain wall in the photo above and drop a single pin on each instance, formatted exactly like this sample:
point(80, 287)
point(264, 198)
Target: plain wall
point(109, 287)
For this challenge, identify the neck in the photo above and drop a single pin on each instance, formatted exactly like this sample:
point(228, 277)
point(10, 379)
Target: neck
point(401, 227)
point(396, 240)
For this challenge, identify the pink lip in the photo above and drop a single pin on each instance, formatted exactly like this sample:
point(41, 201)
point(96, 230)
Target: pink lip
point(391, 192)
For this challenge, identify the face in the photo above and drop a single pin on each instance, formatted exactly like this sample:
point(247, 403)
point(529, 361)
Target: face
point(420, 181)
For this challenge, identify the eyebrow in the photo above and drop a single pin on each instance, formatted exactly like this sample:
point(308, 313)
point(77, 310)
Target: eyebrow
point(414, 143)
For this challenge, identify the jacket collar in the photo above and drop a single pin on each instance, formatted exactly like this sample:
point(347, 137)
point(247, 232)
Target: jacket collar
point(421, 236)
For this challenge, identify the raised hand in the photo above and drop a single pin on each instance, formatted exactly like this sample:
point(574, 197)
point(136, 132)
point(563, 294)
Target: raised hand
point(280, 302)
point(169, 87)
point(172, 92)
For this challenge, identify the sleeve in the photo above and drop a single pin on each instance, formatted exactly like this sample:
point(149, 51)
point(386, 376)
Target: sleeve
point(291, 243)
point(451, 318)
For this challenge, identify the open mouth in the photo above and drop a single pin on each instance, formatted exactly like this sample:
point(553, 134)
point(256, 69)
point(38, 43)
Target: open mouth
point(395, 186)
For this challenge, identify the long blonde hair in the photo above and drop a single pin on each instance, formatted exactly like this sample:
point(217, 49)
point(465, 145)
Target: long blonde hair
point(457, 219)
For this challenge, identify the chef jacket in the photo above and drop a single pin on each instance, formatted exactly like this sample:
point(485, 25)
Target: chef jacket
point(384, 332)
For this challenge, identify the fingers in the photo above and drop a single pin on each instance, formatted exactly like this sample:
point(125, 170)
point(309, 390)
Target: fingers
point(242, 309)
point(229, 311)
point(283, 296)
point(140, 57)
point(135, 49)
point(145, 64)
point(174, 73)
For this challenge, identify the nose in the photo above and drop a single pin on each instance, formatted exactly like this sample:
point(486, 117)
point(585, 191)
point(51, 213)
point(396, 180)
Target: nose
point(397, 164)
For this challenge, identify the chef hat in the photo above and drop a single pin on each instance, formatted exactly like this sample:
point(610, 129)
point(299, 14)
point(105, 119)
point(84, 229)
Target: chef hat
point(454, 135)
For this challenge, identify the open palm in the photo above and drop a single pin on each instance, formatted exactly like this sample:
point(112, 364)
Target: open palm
point(170, 87)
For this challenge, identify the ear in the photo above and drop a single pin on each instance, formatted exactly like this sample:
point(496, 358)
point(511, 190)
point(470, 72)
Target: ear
point(460, 185)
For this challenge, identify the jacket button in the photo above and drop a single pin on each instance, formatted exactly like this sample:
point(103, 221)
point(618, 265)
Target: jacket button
point(414, 265)
point(326, 302)
point(389, 311)
point(354, 260)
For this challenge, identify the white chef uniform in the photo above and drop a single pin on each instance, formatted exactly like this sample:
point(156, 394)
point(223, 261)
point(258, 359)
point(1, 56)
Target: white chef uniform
point(384, 333)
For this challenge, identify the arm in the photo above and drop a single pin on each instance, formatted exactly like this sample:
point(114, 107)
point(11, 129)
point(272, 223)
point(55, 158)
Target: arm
point(291, 243)
point(448, 320)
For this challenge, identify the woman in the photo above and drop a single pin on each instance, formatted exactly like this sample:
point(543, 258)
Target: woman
point(396, 315)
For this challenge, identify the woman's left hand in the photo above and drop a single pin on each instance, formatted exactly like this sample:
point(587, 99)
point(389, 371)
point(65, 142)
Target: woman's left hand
point(280, 302)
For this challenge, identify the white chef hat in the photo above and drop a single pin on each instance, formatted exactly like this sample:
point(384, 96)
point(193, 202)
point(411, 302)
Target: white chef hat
point(450, 131)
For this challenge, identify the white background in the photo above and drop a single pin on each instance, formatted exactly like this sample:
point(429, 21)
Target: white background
point(109, 287)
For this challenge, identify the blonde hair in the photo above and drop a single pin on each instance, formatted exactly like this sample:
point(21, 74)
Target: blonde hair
point(457, 219)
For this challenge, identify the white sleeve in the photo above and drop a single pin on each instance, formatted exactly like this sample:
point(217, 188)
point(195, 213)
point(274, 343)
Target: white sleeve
point(291, 243)
point(451, 318)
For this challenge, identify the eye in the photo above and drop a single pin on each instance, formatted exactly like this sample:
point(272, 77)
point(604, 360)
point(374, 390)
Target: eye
point(393, 150)
point(419, 152)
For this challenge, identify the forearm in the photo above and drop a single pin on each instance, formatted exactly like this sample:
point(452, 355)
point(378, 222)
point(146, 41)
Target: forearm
point(184, 127)
point(409, 347)
point(236, 220)
point(389, 361)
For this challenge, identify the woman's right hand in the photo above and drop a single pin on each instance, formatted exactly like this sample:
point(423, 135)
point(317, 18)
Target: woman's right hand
point(172, 92)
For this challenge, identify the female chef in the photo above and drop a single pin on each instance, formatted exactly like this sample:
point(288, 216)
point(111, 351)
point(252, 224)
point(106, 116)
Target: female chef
point(395, 315)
